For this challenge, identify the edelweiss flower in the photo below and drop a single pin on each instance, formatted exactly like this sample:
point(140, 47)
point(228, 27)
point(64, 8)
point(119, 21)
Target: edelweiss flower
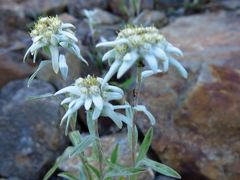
point(51, 34)
point(93, 95)
point(145, 44)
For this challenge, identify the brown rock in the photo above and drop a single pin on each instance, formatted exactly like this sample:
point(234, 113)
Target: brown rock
point(12, 68)
point(148, 18)
point(197, 130)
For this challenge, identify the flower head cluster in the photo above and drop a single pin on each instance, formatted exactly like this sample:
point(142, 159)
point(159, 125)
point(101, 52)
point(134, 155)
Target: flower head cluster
point(91, 93)
point(145, 44)
point(51, 34)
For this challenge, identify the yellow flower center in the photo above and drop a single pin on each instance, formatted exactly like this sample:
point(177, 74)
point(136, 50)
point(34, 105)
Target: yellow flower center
point(46, 26)
point(138, 37)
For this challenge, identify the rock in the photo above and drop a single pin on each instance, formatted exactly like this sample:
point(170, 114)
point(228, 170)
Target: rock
point(230, 4)
point(12, 68)
point(11, 16)
point(101, 17)
point(29, 130)
point(35, 8)
point(67, 18)
point(165, 4)
point(197, 131)
point(76, 7)
point(123, 7)
point(149, 18)
point(108, 144)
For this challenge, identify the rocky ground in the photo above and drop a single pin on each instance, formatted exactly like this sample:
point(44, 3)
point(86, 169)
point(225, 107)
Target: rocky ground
point(198, 124)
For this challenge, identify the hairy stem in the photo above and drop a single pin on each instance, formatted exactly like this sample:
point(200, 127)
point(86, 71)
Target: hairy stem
point(99, 151)
point(136, 94)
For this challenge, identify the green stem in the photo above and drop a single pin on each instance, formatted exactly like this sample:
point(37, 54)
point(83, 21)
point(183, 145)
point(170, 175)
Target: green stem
point(136, 94)
point(99, 151)
point(86, 169)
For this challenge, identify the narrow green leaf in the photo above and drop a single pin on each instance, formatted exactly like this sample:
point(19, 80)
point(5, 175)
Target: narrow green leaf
point(59, 160)
point(82, 175)
point(160, 168)
point(124, 172)
point(145, 145)
point(114, 155)
point(54, 168)
point(75, 137)
point(130, 136)
point(86, 141)
point(90, 123)
point(94, 170)
point(67, 176)
point(32, 98)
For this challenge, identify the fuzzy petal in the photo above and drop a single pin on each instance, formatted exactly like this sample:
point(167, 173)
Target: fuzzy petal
point(113, 96)
point(55, 55)
point(98, 102)
point(41, 65)
point(128, 60)
point(115, 89)
point(69, 35)
point(70, 89)
point(63, 66)
point(146, 112)
point(125, 66)
point(96, 113)
point(160, 54)
point(67, 25)
point(66, 100)
point(174, 50)
point(88, 103)
point(179, 67)
point(113, 69)
point(112, 43)
point(116, 117)
point(73, 109)
point(148, 73)
point(108, 55)
point(152, 62)
point(77, 52)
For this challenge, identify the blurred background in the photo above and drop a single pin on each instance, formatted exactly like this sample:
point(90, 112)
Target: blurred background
point(198, 119)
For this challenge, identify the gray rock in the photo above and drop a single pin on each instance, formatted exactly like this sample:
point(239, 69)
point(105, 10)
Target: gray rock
point(165, 4)
point(29, 130)
point(35, 8)
point(149, 18)
point(122, 7)
point(101, 17)
point(75, 7)
point(11, 16)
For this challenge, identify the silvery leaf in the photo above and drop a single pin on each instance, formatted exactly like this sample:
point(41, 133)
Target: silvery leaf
point(41, 65)
point(69, 35)
point(108, 55)
point(179, 67)
point(174, 50)
point(63, 66)
point(146, 112)
point(148, 73)
point(112, 43)
point(113, 69)
point(70, 89)
point(152, 62)
point(55, 55)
